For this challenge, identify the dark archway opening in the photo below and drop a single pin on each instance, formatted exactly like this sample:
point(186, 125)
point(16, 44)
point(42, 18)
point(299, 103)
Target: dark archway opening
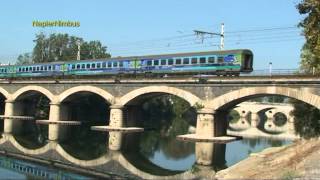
point(27, 132)
point(2, 109)
point(157, 150)
point(91, 110)
point(280, 119)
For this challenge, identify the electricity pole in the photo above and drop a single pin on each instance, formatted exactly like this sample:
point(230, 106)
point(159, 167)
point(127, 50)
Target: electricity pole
point(221, 34)
point(78, 54)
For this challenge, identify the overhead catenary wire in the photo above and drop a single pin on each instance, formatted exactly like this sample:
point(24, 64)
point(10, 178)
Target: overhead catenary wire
point(189, 41)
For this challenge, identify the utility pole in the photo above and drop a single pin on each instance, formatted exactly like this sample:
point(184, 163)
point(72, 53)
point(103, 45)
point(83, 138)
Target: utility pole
point(78, 54)
point(270, 68)
point(221, 34)
point(222, 37)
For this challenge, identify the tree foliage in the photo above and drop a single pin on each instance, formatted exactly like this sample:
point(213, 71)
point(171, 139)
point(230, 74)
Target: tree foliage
point(310, 56)
point(307, 117)
point(25, 58)
point(62, 47)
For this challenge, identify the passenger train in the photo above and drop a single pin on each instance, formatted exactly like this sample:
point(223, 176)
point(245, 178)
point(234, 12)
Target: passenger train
point(229, 62)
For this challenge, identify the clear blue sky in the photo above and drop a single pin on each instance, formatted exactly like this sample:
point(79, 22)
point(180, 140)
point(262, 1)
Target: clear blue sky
point(123, 24)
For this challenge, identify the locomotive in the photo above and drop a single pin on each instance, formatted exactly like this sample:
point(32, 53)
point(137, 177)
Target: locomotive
point(228, 62)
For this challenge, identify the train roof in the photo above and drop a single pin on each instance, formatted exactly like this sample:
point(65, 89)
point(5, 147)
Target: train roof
point(221, 52)
point(183, 54)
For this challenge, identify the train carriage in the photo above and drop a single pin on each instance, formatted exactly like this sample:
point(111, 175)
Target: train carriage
point(231, 62)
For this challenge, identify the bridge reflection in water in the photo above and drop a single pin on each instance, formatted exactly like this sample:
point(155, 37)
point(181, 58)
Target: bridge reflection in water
point(33, 171)
point(141, 159)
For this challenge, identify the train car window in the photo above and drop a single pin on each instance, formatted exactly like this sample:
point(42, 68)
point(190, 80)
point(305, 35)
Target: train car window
point(83, 66)
point(30, 68)
point(211, 60)
point(220, 59)
point(149, 63)
point(194, 60)
point(50, 67)
point(104, 64)
point(38, 68)
point(73, 66)
point(46, 68)
point(33, 68)
point(115, 64)
point(19, 69)
point(170, 61)
point(109, 64)
point(178, 61)
point(23, 69)
point(41, 68)
point(78, 66)
point(202, 60)
point(93, 65)
point(88, 66)
point(120, 64)
point(27, 69)
point(155, 62)
point(163, 62)
point(98, 65)
point(185, 60)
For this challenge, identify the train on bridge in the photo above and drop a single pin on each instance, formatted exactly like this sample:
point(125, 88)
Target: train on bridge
point(229, 62)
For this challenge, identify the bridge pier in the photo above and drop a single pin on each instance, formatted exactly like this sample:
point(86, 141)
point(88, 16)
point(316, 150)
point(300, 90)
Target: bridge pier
point(255, 119)
point(205, 128)
point(54, 115)
point(290, 125)
point(116, 120)
point(13, 108)
point(9, 111)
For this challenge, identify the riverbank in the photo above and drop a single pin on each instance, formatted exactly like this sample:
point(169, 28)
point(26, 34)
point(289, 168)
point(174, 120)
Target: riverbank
point(300, 159)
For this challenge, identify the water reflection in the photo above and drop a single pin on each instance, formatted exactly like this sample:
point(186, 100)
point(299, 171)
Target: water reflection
point(17, 169)
point(33, 136)
point(166, 152)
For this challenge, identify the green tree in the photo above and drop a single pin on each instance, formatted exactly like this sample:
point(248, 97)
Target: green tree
point(307, 122)
point(62, 47)
point(310, 56)
point(25, 58)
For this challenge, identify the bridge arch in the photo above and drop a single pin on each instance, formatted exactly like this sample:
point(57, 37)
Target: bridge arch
point(104, 94)
point(5, 93)
point(187, 96)
point(235, 97)
point(39, 89)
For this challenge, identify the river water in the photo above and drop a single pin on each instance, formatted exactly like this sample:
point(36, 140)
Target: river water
point(155, 151)
point(166, 153)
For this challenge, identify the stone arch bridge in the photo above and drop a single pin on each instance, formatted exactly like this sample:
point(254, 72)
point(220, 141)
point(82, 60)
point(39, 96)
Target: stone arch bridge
point(212, 98)
point(260, 119)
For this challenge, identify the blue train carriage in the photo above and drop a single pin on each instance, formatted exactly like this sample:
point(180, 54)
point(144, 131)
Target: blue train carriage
point(99, 67)
point(230, 62)
point(34, 70)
